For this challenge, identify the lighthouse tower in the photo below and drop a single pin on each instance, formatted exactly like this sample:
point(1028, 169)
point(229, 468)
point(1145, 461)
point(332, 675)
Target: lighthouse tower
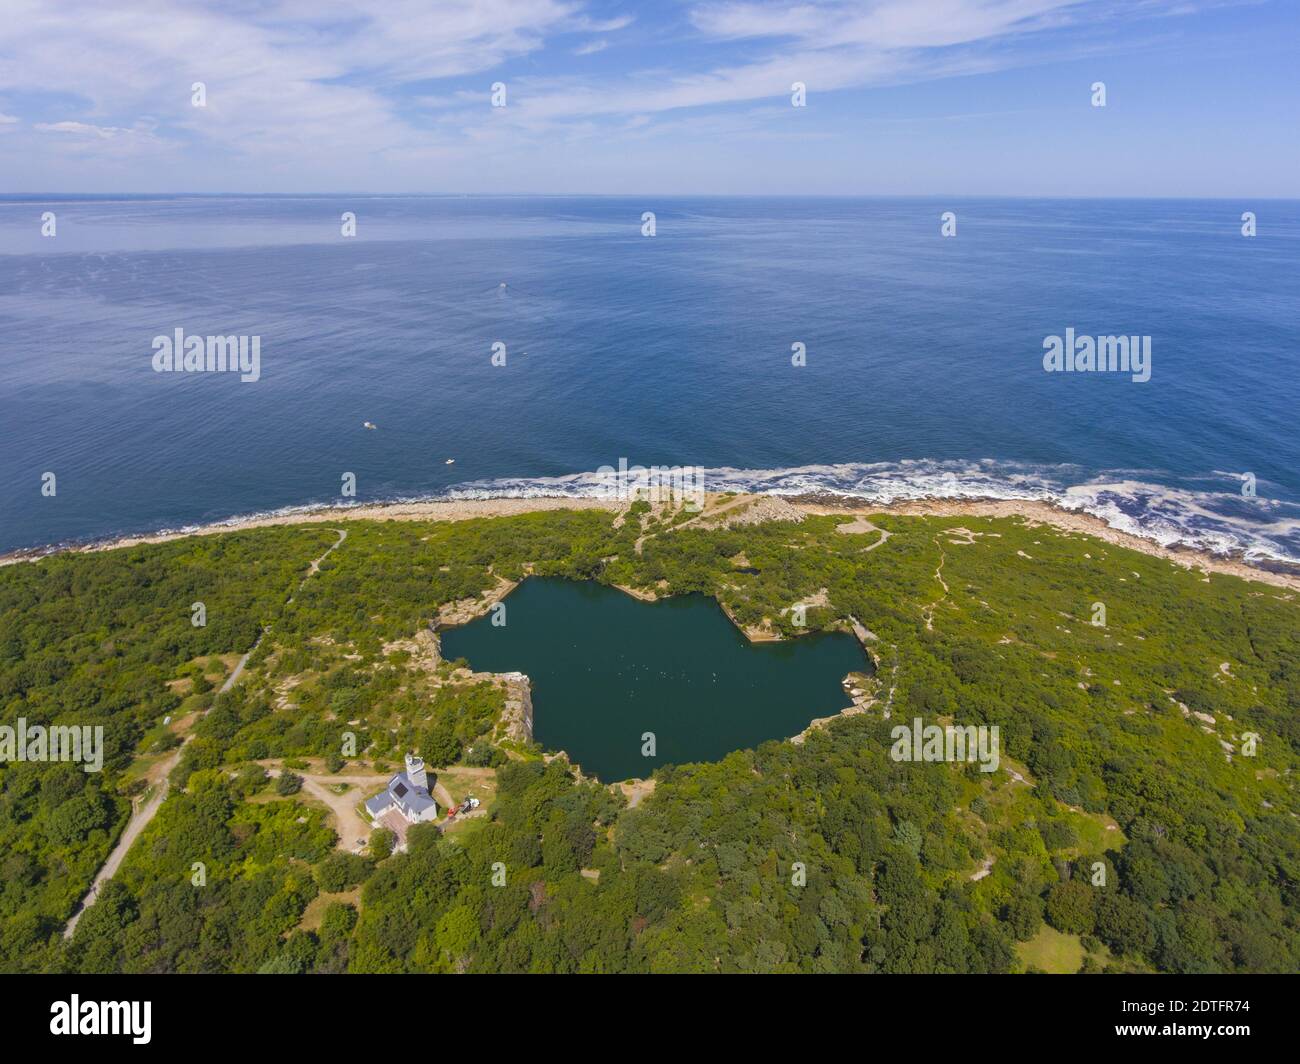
point(415, 772)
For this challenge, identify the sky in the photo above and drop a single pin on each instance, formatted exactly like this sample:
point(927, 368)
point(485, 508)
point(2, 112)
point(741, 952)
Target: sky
point(902, 97)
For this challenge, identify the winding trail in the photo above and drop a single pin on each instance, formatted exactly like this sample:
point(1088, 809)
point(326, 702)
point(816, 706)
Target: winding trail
point(142, 815)
point(928, 611)
point(861, 524)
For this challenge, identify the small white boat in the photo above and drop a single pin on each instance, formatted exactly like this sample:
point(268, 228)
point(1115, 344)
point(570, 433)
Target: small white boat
point(370, 425)
point(450, 461)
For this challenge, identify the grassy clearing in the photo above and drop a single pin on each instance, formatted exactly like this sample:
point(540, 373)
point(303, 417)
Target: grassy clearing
point(1052, 952)
point(315, 911)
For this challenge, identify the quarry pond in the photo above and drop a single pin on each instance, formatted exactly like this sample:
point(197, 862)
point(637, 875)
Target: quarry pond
point(607, 668)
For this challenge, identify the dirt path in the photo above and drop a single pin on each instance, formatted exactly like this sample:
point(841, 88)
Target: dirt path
point(315, 565)
point(859, 525)
point(142, 815)
point(352, 828)
point(928, 611)
point(349, 825)
point(238, 670)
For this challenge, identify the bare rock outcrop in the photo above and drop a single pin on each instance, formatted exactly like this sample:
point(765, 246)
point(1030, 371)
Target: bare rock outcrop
point(517, 718)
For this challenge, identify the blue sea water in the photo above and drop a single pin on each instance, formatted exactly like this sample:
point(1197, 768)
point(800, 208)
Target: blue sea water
point(924, 370)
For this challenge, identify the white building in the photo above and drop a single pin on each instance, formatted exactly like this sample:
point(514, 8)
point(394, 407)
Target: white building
point(407, 795)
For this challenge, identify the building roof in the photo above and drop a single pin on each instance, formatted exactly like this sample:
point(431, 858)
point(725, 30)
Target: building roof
point(404, 794)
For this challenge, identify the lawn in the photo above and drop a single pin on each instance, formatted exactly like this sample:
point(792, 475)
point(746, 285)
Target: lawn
point(1052, 951)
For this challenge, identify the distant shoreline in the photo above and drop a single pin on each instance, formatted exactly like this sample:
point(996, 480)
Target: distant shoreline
point(1034, 511)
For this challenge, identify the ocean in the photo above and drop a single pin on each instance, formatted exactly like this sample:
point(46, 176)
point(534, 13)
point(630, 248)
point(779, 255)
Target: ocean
point(924, 371)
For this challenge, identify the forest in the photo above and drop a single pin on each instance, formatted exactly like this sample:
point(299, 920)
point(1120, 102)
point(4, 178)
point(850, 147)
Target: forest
point(1143, 817)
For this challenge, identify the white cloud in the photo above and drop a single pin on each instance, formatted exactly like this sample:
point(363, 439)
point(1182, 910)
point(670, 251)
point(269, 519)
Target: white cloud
point(608, 25)
point(830, 46)
point(292, 79)
point(879, 25)
point(316, 87)
point(82, 129)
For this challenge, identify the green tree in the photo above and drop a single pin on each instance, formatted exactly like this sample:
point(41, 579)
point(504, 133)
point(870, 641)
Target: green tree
point(287, 783)
point(1070, 907)
point(1024, 916)
point(381, 843)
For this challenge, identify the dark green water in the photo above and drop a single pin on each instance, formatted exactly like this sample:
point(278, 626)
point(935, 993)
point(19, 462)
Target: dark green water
point(605, 668)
